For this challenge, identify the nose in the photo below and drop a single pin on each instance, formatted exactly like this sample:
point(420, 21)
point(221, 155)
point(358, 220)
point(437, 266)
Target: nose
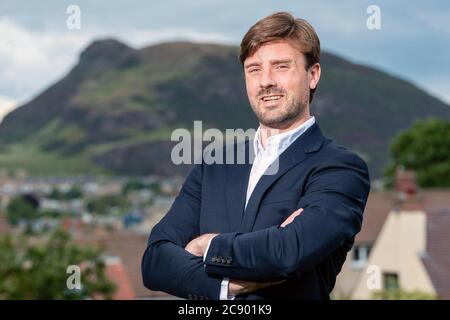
point(267, 79)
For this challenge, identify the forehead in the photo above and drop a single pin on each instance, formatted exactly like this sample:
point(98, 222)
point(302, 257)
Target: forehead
point(275, 50)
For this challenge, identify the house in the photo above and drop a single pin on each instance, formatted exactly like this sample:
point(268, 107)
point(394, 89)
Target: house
point(404, 244)
point(377, 209)
point(123, 253)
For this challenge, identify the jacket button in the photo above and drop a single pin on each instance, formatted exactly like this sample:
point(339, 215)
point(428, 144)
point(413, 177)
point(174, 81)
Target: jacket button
point(214, 259)
point(190, 296)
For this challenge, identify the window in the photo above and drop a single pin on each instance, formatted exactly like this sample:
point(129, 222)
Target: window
point(390, 281)
point(360, 255)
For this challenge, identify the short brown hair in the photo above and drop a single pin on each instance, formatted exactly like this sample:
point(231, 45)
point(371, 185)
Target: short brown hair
point(283, 26)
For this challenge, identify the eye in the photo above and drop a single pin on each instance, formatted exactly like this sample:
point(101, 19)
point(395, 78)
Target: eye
point(253, 70)
point(282, 67)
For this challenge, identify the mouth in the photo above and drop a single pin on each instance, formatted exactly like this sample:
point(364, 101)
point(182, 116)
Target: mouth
point(273, 97)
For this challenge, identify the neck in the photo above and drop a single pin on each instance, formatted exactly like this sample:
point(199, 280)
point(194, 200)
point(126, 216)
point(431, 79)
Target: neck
point(266, 132)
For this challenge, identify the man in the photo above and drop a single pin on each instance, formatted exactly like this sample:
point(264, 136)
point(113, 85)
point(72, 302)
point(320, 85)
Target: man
point(237, 232)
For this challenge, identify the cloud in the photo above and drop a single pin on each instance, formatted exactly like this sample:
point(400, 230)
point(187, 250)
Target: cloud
point(6, 106)
point(436, 20)
point(139, 38)
point(32, 59)
point(39, 50)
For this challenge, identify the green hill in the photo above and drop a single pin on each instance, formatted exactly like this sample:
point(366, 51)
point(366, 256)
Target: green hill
point(116, 108)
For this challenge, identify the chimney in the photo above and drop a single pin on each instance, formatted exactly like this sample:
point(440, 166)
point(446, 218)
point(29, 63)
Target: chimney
point(405, 182)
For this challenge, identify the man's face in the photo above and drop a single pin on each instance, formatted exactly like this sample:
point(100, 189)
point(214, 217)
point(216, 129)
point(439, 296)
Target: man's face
point(278, 84)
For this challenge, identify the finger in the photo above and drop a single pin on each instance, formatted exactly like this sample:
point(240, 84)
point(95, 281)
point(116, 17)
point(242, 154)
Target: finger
point(276, 282)
point(236, 287)
point(268, 284)
point(256, 286)
point(189, 248)
point(192, 248)
point(291, 217)
point(190, 245)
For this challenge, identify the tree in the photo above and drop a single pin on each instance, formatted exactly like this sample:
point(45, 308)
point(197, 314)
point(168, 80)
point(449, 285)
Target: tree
point(22, 209)
point(104, 204)
point(425, 148)
point(36, 268)
point(73, 193)
point(400, 294)
point(55, 194)
point(135, 185)
point(132, 185)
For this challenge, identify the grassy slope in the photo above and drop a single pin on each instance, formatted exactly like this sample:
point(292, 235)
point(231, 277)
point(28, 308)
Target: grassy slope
point(380, 105)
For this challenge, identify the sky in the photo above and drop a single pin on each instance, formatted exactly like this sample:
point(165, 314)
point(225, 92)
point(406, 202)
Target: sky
point(37, 48)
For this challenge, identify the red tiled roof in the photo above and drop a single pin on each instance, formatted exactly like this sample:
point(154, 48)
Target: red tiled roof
point(437, 257)
point(436, 204)
point(129, 247)
point(378, 206)
point(117, 273)
point(436, 198)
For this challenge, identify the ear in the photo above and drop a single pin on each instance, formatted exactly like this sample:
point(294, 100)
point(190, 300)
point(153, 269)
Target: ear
point(314, 75)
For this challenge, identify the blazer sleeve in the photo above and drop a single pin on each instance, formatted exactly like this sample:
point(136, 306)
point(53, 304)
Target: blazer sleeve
point(166, 265)
point(333, 202)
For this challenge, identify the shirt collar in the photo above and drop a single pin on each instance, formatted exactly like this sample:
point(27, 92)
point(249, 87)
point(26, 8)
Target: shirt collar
point(279, 142)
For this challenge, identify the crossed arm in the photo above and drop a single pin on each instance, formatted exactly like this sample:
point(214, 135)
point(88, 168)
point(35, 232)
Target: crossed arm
point(199, 247)
point(332, 205)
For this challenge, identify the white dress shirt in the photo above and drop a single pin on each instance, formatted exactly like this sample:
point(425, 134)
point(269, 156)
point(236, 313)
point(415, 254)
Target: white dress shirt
point(264, 157)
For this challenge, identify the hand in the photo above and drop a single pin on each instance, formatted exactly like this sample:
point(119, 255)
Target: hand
point(197, 246)
point(236, 287)
point(291, 217)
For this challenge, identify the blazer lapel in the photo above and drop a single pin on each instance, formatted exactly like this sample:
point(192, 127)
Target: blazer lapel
point(236, 186)
point(309, 141)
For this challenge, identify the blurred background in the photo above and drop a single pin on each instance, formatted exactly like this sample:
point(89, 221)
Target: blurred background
point(90, 93)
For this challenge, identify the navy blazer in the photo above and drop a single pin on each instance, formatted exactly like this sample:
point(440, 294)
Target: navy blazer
point(329, 182)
